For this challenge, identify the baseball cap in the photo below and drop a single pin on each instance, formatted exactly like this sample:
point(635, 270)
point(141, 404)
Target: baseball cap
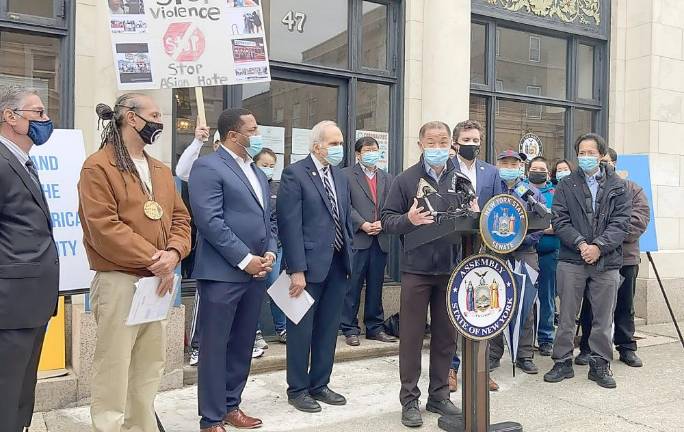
point(217, 136)
point(511, 154)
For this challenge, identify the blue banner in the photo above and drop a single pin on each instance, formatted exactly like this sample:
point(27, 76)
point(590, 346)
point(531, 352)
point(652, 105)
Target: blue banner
point(637, 169)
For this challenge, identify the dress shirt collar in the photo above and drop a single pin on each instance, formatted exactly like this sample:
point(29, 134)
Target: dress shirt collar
point(235, 156)
point(17, 151)
point(318, 164)
point(370, 173)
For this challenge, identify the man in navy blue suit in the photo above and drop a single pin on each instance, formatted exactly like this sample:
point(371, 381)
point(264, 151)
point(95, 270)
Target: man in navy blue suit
point(315, 228)
point(235, 250)
point(468, 137)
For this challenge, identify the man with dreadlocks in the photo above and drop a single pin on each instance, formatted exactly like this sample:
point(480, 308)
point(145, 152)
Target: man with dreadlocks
point(134, 225)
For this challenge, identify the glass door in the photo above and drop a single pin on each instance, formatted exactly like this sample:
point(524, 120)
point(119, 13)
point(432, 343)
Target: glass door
point(289, 106)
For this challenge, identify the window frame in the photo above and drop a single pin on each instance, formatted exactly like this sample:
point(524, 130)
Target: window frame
point(538, 49)
point(598, 106)
point(58, 28)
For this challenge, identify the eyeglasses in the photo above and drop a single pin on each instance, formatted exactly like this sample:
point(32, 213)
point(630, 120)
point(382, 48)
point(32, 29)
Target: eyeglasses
point(40, 112)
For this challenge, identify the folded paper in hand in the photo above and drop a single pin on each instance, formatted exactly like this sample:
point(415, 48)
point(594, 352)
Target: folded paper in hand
point(294, 307)
point(147, 306)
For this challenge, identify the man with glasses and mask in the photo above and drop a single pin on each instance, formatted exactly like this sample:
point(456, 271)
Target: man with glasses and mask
point(134, 225)
point(236, 250)
point(591, 214)
point(29, 263)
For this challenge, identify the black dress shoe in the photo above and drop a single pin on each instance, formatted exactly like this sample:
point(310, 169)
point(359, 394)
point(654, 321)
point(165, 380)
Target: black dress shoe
point(630, 359)
point(352, 340)
point(305, 403)
point(329, 397)
point(527, 365)
point(382, 337)
point(443, 407)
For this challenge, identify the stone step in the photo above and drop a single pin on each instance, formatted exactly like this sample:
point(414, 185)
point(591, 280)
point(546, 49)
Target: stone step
point(274, 357)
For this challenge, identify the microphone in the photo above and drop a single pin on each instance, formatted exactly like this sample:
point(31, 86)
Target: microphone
point(527, 195)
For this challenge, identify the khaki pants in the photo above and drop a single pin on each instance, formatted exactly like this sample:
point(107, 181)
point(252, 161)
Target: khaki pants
point(129, 361)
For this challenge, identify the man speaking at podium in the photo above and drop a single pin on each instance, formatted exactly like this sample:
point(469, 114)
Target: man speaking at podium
point(425, 275)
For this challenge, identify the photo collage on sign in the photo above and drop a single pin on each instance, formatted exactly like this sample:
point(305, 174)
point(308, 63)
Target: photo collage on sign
point(133, 61)
point(249, 53)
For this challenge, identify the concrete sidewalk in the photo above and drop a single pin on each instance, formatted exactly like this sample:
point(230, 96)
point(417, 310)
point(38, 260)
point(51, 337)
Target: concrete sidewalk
point(647, 399)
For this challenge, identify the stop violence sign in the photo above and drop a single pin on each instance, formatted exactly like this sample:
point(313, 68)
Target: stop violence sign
point(184, 42)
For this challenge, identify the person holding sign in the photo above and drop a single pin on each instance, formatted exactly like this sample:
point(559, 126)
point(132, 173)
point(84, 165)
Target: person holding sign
point(134, 225)
point(236, 249)
point(29, 263)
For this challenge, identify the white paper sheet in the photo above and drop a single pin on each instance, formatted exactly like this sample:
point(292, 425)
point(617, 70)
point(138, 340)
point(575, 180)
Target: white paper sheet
point(147, 306)
point(274, 138)
point(300, 141)
point(294, 307)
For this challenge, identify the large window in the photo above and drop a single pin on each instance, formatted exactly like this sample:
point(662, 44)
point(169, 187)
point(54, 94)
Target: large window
point(36, 51)
point(536, 90)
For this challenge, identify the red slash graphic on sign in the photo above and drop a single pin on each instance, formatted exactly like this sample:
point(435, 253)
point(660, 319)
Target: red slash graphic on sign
point(184, 42)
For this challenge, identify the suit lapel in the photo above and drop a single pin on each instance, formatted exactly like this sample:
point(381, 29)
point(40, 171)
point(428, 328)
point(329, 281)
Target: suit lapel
point(382, 180)
point(339, 179)
point(361, 179)
point(26, 179)
point(479, 177)
point(233, 165)
point(315, 177)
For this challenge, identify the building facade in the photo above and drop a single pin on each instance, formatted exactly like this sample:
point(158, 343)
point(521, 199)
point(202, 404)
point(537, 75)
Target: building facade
point(536, 73)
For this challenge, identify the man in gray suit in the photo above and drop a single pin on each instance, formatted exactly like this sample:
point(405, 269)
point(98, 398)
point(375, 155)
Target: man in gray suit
point(29, 264)
point(369, 186)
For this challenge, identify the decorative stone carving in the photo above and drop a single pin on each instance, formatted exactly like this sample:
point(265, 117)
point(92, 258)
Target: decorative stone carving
point(568, 11)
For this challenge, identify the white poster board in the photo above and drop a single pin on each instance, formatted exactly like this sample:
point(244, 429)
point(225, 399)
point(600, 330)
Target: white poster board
point(383, 142)
point(274, 138)
point(59, 163)
point(300, 141)
point(188, 43)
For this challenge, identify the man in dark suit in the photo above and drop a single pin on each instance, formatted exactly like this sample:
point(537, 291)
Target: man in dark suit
point(315, 228)
point(468, 137)
point(235, 251)
point(29, 263)
point(368, 186)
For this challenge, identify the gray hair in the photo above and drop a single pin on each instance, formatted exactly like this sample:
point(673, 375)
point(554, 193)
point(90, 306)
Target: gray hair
point(318, 132)
point(11, 96)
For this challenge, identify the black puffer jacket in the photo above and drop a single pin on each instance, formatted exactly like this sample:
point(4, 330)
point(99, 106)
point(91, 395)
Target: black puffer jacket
point(574, 221)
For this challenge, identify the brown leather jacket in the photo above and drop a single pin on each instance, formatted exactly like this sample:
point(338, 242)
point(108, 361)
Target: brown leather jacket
point(116, 233)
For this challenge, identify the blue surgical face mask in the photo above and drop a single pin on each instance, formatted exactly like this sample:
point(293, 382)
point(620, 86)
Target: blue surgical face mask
point(588, 163)
point(40, 130)
point(509, 174)
point(370, 159)
point(436, 157)
point(335, 155)
point(560, 175)
point(256, 144)
point(268, 171)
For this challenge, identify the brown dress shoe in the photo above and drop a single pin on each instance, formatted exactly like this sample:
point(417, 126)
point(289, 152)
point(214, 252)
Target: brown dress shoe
point(215, 428)
point(352, 340)
point(453, 380)
point(240, 420)
point(493, 386)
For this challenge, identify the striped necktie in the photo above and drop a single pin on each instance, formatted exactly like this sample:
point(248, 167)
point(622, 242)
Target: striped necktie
point(339, 238)
point(33, 173)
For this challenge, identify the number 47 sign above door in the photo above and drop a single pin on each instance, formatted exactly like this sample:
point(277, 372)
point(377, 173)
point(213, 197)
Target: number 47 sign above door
point(294, 21)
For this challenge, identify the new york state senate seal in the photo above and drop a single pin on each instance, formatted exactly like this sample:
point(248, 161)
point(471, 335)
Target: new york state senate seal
point(481, 297)
point(503, 223)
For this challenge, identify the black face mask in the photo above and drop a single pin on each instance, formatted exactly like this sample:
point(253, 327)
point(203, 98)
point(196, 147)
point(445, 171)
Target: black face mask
point(151, 131)
point(537, 177)
point(468, 152)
